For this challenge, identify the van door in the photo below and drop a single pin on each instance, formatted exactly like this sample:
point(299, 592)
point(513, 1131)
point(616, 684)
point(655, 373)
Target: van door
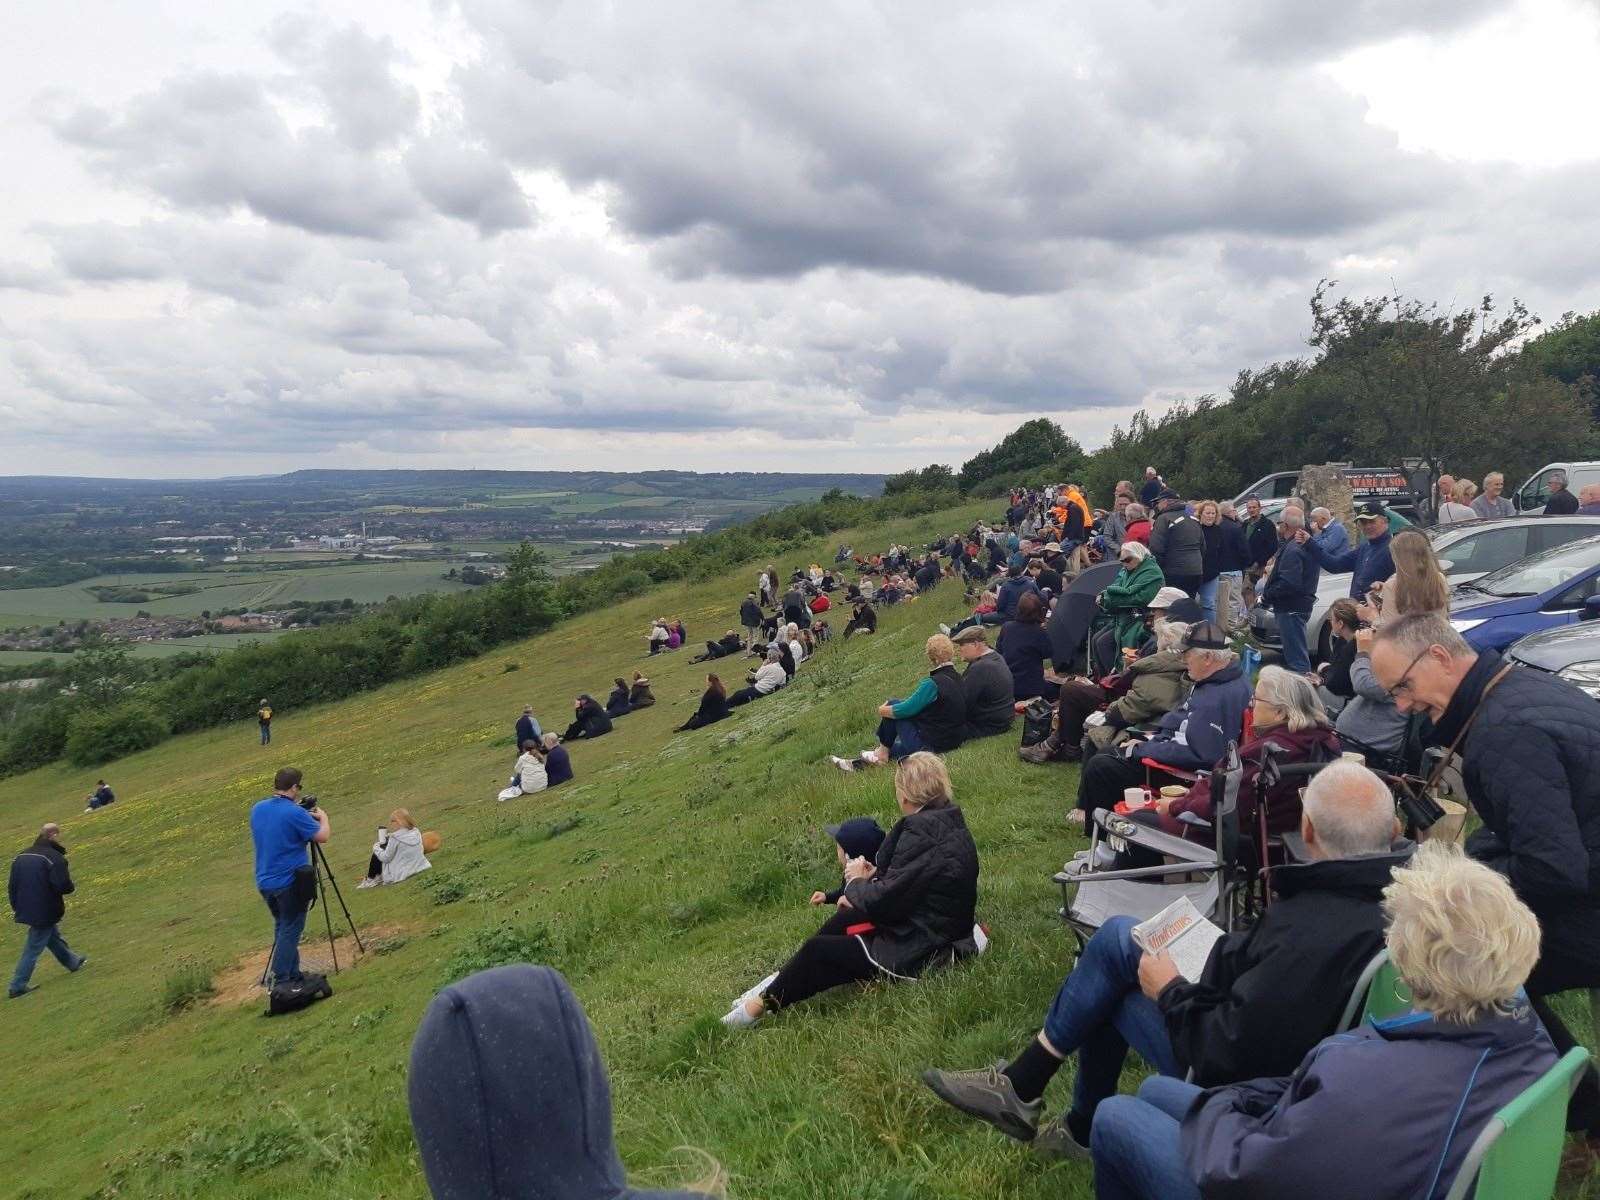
point(1535, 494)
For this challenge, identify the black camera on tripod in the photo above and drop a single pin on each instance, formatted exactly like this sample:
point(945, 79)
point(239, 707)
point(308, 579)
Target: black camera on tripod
point(307, 801)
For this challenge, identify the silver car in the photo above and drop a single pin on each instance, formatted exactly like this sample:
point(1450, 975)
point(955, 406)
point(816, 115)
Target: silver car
point(1466, 550)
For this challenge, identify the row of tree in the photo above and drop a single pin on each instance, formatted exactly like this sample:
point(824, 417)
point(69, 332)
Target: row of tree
point(1389, 377)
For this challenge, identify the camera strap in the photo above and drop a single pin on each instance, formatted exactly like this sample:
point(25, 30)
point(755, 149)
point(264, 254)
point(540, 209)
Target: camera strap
point(1443, 764)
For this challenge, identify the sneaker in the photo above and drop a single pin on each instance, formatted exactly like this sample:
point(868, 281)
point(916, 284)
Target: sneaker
point(79, 965)
point(944, 629)
point(989, 1096)
point(758, 990)
point(368, 883)
point(738, 1017)
point(1055, 1140)
point(844, 764)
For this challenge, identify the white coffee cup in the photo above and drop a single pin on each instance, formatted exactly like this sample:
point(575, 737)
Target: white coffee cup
point(1133, 797)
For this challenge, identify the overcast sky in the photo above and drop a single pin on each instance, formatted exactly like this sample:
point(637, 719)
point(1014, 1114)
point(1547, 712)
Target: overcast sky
point(240, 236)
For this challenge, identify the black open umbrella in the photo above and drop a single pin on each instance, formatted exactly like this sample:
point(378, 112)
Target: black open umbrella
point(1069, 623)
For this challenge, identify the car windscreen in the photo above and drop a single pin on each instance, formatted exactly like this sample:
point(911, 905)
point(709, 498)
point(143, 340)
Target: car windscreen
point(1538, 574)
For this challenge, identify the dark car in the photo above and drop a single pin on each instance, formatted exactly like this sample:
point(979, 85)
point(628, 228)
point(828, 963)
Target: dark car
point(1570, 651)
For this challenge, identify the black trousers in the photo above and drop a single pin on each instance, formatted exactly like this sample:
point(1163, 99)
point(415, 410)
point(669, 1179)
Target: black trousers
point(827, 959)
point(743, 696)
point(1566, 963)
point(374, 867)
point(1105, 776)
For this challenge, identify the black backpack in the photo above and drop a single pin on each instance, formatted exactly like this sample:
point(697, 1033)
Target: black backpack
point(1038, 720)
point(291, 995)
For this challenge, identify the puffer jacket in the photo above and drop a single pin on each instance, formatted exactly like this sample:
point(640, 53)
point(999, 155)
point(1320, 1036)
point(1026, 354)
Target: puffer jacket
point(1531, 766)
point(922, 900)
point(1194, 736)
point(1179, 543)
point(1408, 1097)
point(1157, 684)
point(1124, 600)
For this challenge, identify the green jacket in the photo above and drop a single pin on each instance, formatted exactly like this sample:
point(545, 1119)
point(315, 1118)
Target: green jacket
point(1158, 686)
point(1124, 601)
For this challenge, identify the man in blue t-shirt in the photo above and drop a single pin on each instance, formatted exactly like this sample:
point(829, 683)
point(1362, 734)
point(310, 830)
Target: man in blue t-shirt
point(281, 830)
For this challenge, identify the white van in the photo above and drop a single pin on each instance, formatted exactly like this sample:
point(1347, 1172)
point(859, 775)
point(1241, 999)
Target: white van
point(1530, 498)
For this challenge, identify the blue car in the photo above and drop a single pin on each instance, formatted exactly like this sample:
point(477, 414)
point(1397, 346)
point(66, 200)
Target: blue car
point(1540, 592)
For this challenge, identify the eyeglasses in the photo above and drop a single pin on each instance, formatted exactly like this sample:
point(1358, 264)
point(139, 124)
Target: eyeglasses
point(1405, 684)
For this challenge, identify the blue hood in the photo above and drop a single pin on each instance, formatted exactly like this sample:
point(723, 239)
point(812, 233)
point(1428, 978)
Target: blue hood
point(509, 1098)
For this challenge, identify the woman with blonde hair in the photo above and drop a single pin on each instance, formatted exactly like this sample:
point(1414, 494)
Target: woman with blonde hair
point(909, 910)
point(1408, 1096)
point(1417, 585)
point(1458, 505)
point(933, 717)
point(397, 854)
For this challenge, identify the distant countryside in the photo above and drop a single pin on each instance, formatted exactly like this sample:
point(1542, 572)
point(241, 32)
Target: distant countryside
point(171, 567)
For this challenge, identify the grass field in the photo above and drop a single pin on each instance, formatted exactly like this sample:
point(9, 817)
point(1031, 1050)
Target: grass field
point(666, 878)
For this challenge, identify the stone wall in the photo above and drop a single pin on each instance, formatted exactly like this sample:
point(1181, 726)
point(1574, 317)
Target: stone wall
point(1324, 487)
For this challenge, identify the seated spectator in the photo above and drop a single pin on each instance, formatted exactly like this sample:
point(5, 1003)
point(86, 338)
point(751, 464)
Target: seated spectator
point(1191, 737)
point(1335, 688)
point(1267, 994)
point(1092, 716)
point(713, 706)
point(786, 655)
point(1288, 716)
point(1408, 1096)
point(859, 837)
point(909, 910)
point(1025, 646)
point(928, 575)
point(1121, 605)
point(639, 693)
point(397, 855)
point(1370, 722)
point(864, 619)
point(677, 635)
point(765, 680)
point(820, 603)
point(589, 721)
point(529, 774)
point(659, 636)
point(100, 797)
point(617, 704)
point(933, 717)
point(985, 686)
point(557, 762)
point(819, 632)
point(796, 646)
point(727, 645)
point(500, 1055)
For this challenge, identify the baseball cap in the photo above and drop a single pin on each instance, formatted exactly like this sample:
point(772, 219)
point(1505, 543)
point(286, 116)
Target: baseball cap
point(859, 837)
point(1205, 635)
point(1370, 511)
point(1167, 597)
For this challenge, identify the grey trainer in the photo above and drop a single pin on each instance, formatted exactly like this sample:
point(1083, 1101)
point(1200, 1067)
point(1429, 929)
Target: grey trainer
point(1055, 1140)
point(989, 1096)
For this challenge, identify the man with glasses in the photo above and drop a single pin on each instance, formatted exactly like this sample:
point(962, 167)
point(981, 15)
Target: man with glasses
point(1529, 744)
point(281, 830)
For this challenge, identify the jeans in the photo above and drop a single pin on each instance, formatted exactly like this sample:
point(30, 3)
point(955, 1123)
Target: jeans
point(266, 733)
point(1100, 1011)
point(1292, 632)
point(41, 938)
point(900, 735)
point(1135, 1144)
point(288, 922)
point(1207, 596)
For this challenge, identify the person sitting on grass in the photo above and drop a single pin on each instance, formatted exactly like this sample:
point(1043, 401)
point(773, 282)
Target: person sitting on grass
point(509, 1097)
point(639, 693)
point(100, 797)
point(933, 717)
point(529, 774)
point(589, 720)
point(658, 635)
point(617, 704)
point(557, 762)
point(397, 854)
point(909, 910)
point(864, 619)
point(765, 680)
point(1408, 1096)
point(1266, 995)
point(728, 644)
point(713, 706)
point(1025, 646)
point(859, 837)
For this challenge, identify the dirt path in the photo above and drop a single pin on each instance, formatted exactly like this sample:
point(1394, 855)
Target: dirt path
point(241, 982)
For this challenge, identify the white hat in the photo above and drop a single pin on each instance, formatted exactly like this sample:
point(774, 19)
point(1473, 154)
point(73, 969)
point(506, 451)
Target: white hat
point(1167, 597)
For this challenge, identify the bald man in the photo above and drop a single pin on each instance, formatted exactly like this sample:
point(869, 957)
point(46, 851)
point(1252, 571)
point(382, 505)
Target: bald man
point(39, 881)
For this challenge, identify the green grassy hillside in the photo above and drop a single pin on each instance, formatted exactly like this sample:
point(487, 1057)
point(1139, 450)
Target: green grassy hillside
point(668, 877)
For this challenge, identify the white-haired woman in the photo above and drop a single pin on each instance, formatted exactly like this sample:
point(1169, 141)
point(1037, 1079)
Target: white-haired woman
point(1119, 621)
point(908, 911)
point(1389, 1110)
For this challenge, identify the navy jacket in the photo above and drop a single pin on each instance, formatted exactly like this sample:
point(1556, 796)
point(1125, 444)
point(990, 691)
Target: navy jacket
point(1292, 586)
point(1195, 735)
point(1011, 591)
point(1234, 554)
point(39, 880)
point(527, 730)
point(1368, 563)
point(558, 765)
point(1386, 1111)
point(509, 1097)
point(750, 614)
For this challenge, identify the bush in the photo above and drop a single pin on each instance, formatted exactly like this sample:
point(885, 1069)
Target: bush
point(37, 738)
point(186, 984)
point(101, 734)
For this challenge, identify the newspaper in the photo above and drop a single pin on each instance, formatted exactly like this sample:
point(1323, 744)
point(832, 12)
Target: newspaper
point(1183, 932)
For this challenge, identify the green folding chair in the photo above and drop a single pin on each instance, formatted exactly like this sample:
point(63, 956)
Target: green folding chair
point(1387, 995)
point(1518, 1154)
point(1355, 1006)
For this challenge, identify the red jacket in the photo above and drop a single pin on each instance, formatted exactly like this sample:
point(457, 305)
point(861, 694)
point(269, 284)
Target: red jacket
point(821, 604)
point(1283, 801)
point(1138, 531)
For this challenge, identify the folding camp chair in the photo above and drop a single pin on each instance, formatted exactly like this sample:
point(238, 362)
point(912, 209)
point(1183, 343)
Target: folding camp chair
point(1355, 1007)
point(1208, 875)
point(1387, 995)
point(1518, 1153)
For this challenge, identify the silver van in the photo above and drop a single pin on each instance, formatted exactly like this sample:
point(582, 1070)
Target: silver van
point(1530, 498)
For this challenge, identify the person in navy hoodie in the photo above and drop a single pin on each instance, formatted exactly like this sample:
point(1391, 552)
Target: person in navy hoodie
point(1389, 1110)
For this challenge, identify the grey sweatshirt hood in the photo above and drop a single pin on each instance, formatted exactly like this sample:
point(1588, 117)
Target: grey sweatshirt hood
point(509, 1098)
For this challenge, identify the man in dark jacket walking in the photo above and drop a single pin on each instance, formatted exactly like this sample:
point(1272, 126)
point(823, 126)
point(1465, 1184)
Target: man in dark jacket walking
point(986, 685)
point(1266, 995)
point(39, 881)
point(750, 618)
point(1291, 590)
point(1529, 744)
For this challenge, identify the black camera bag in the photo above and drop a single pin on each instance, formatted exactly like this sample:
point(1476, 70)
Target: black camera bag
point(291, 995)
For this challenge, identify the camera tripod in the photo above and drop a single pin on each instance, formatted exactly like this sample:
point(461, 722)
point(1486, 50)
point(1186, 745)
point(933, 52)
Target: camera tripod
point(325, 880)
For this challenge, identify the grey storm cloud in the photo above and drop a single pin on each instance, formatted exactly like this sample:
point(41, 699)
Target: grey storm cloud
point(800, 225)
